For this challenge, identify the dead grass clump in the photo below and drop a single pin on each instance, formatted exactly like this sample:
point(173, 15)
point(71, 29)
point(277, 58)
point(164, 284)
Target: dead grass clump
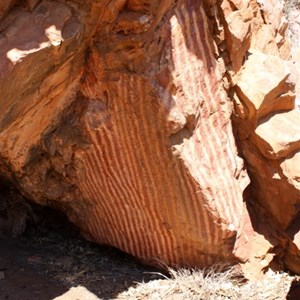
point(292, 13)
point(290, 5)
point(211, 284)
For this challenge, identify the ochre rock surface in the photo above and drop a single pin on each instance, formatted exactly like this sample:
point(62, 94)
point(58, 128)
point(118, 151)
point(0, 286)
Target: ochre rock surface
point(135, 117)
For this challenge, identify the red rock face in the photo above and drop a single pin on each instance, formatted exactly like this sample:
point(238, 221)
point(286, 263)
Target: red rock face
point(158, 133)
point(119, 114)
point(5, 5)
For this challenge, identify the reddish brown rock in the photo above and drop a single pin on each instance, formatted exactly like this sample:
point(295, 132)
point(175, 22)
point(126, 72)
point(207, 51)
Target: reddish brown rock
point(162, 180)
point(132, 151)
point(119, 114)
point(47, 88)
point(5, 5)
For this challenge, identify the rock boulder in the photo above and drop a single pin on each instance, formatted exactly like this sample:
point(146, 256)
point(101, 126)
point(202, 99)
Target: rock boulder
point(135, 117)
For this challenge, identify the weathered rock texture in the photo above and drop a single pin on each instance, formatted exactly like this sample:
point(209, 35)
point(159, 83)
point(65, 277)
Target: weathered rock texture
point(119, 113)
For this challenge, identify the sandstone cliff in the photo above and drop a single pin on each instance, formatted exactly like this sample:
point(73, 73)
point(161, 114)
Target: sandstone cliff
point(167, 129)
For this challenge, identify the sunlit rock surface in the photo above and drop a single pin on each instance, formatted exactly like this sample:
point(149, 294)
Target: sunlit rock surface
point(119, 113)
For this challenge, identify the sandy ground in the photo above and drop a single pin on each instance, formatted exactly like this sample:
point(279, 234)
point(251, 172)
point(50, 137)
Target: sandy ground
point(20, 279)
point(47, 267)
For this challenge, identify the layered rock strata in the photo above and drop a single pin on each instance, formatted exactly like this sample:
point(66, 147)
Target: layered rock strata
point(119, 113)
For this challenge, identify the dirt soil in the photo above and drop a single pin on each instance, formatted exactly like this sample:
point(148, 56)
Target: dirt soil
point(43, 264)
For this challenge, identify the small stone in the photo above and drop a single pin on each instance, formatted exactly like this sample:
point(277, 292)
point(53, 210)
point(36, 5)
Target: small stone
point(65, 261)
point(34, 259)
point(2, 275)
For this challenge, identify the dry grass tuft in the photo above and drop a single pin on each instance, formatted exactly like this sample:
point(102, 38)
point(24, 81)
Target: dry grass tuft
point(290, 5)
point(292, 13)
point(211, 284)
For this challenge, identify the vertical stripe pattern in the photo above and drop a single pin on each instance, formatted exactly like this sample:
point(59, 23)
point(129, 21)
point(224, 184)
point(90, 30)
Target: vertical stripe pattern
point(178, 209)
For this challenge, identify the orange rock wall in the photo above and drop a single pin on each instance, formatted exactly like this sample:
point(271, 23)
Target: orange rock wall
point(158, 134)
point(119, 113)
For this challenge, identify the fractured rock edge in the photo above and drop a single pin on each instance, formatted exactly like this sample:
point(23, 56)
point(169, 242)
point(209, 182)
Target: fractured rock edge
point(127, 128)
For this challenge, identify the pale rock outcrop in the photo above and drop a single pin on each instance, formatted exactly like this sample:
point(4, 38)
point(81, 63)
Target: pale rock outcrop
point(265, 88)
point(267, 123)
point(278, 136)
point(291, 169)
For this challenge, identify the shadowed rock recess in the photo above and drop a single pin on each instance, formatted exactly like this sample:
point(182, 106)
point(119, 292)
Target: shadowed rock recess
point(167, 129)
